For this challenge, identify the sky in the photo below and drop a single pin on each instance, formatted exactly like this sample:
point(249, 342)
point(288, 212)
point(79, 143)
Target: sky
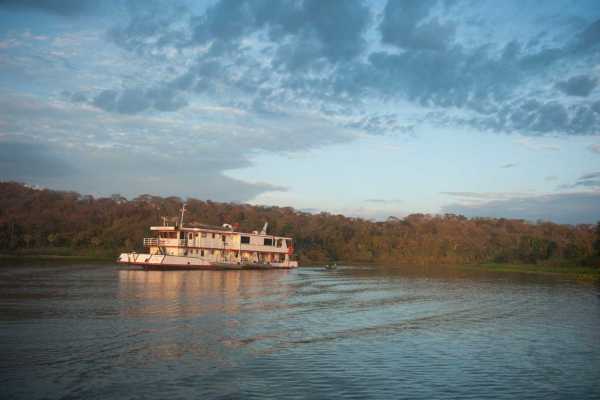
point(366, 108)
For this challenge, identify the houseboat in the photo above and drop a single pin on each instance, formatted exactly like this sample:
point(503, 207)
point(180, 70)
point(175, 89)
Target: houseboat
point(211, 247)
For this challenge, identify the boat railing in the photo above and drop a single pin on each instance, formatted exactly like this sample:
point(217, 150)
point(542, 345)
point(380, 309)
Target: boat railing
point(164, 242)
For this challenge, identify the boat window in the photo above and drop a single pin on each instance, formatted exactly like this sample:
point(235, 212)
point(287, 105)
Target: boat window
point(268, 242)
point(202, 252)
point(223, 237)
point(288, 243)
point(190, 236)
point(279, 242)
point(245, 239)
point(213, 235)
point(181, 235)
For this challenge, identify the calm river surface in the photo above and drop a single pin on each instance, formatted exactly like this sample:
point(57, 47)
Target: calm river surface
point(97, 331)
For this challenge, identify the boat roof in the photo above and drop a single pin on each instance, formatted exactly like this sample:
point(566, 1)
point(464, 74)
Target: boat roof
point(214, 229)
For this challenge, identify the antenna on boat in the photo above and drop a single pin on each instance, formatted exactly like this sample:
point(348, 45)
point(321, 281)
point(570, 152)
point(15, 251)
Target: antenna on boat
point(164, 221)
point(264, 229)
point(182, 212)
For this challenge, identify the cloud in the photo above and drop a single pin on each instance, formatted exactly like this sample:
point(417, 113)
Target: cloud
point(26, 161)
point(485, 195)
point(379, 124)
point(251, 51)
point(590, 175)
point(580, 85)
point(534, 117)
point(383, 201)
point(334, 29)
point(591, 180)
point(567, 208)
point(220, 82)
point(101, 173)
point(536, 144)
point(595, 148)
point(136, 100)
point(493, 86)
point(60, 7)
point(406, 25)
point(372, 212)
point(589, 38)
point(106, 150)
point(509, 165)
point(341, 56)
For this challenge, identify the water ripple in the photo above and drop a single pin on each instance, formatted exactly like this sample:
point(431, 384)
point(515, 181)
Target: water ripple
point(93, 331)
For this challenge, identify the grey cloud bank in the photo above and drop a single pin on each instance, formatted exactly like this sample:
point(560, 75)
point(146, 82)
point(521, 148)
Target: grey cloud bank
point(568, 208)
point(156, 155)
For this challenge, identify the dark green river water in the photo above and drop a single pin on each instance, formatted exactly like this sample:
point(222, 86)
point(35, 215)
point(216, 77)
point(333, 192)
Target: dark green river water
point(97, 331)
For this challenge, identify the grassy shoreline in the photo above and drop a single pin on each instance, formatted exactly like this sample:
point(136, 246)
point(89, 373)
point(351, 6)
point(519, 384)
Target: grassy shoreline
point(47, 254)
point(571, 271)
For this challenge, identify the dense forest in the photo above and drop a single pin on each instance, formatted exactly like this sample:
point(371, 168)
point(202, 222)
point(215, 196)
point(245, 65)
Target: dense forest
point(56, 222)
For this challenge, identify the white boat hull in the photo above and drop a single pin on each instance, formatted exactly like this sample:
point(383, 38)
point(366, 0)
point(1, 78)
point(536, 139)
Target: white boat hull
point(166, 262)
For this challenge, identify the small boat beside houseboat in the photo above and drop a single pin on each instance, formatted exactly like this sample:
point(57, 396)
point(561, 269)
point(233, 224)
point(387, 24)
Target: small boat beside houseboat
point(211, 247)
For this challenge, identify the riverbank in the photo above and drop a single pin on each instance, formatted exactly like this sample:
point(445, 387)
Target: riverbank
point(570, 271)
point(58, 253)
point(50, 257)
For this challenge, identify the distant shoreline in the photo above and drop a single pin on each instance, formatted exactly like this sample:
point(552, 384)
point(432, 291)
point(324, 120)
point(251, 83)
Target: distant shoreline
point(571, 270)
point(48, 257)
point(574, 271)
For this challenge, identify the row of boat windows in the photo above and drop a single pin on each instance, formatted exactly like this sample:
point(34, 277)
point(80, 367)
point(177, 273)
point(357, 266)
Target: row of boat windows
point(266, 241)
point(173, 235)
point(243, 239)
point(201, 252)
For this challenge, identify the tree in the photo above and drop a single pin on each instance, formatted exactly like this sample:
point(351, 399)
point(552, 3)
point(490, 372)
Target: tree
point(597, 241)
point(32, 217)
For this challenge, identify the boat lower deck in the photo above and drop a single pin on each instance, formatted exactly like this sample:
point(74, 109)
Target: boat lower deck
point(165, 262)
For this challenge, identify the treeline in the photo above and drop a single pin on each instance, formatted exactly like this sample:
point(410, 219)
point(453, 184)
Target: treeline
point(57, 222)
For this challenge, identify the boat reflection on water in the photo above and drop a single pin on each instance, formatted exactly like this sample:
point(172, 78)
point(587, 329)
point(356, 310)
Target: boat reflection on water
point(199, 314)
point(189, 293)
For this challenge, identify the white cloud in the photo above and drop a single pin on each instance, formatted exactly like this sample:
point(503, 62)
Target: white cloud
point(537, 144)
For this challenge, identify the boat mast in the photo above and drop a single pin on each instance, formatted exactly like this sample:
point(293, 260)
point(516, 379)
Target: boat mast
point(182, 212)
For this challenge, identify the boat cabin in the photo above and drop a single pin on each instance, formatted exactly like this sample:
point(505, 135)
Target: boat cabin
point(220, 245)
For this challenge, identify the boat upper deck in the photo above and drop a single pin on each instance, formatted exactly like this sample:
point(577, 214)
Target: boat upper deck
point(219, 238)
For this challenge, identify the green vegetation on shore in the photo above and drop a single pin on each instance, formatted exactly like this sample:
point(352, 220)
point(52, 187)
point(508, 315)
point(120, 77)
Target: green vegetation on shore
point(40, 223)
point(575, 271)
